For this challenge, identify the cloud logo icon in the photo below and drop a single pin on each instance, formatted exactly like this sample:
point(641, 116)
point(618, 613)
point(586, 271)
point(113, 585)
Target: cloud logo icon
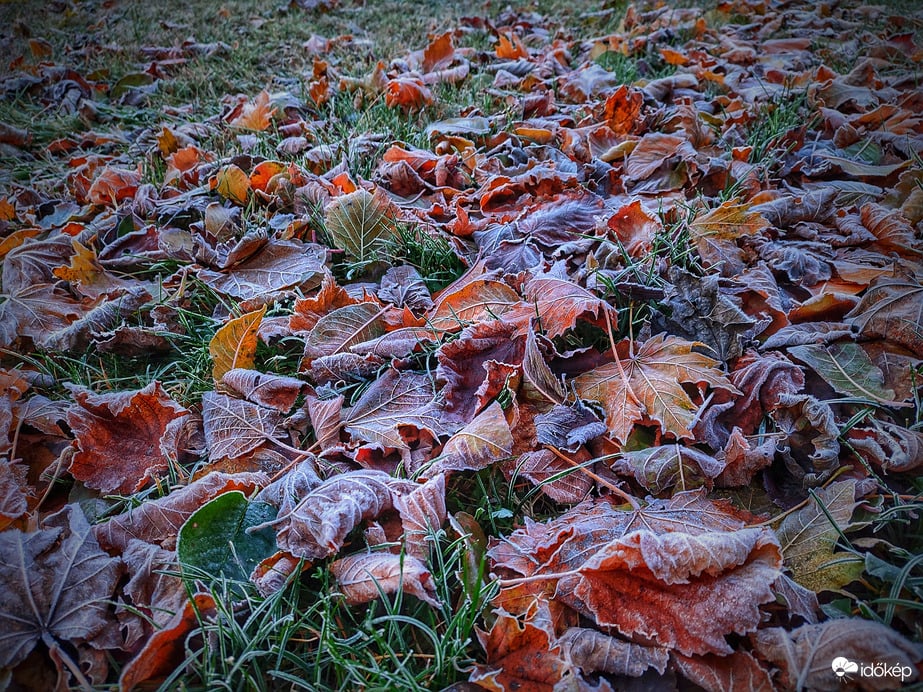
point(841, 666)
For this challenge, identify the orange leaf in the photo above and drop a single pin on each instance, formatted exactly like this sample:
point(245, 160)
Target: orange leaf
point(634, 228)
point(234, 344)
point(482, 299)
point(7, 210)
point(14, 240)
point(255, 115)
point(649, 384)
point(511, 47)
point(407, 93)
point(163, 652)
point(439, 53)
point(113, 185)
point(623, 110)
point(263, 172)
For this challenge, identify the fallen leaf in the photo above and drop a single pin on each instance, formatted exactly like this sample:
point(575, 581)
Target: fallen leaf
point(359, 221)
point(234, 344)
point(366, 577)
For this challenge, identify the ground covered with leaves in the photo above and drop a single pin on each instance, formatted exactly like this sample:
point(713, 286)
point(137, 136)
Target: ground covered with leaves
point(550, 348)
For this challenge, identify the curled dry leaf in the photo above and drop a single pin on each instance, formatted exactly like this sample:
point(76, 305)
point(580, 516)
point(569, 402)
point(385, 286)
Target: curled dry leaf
point(804, 655)
point(894, 448)
point(422, 512)
point(271, 391)
point(119, 437)
point(363, 578)
point(892, 309)
point(592, 651)
point(318, 525)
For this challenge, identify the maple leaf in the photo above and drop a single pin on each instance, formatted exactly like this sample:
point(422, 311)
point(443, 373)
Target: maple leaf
point(649, 383)
point(255, 115)
point(56, 584)
point(120, 437)
point(560, 302)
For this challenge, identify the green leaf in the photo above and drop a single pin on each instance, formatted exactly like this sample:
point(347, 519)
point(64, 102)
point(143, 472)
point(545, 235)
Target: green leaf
point(846, 367)
point(215, 539)
point(358, 221)
point(809, 538)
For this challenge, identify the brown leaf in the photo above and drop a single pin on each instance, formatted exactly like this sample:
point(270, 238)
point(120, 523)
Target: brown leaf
point(559, 302)
point(892, 309)
point(164, 651)
point(653, 151)
point(255, 115)
point(893, 448)
point(234, 427)
point(119, 437)
point(335, 332)
point(159, 521)
point(308, 311)
point(669, 466)
point(422, 512)
point(271, 391)
point(318, 525)
point(37, 312)
point(536, 372)
point(94, 325)
point(649, 383)
point(485, 440)
point(368, 576)
point(561, 481)
point(738, 671)
point(234, 344)
point(477, 301)
point(394, 400)
point(568, 427)
point(279, 265)
point(805, 655)
point(14, 492)
point(56, 584)
point(593, 651)
point(359, 221)
point(634, 228)
point(519, 656)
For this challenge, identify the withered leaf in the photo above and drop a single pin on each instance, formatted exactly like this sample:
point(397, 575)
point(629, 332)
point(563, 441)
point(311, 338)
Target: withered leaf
point(272, 391)
point(158, 521)
point(650, 383)
point(344, 327)
point(804, 655)
point(559, 302)
point(318, 525)
point(808, 539)
point(669, 466)
point(847, 368)
point(395, 399)
point(485, 440)
point(890, 446)
point(738, 671)
point(592, 651)
point(568, 427)
point(119, 437)
point(479, 300)
point(234, 427)
point(279, 265)
point(892, 309)
point(358, 221)
point(422, 512)
point(57, 583)
point(365, 577)
point(234, 344)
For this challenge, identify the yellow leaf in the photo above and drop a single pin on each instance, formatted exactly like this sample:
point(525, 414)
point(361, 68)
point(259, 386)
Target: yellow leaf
point(233, 184)
point(16, 239)
point(729, 221)
point(83, 268)
point(234, 344)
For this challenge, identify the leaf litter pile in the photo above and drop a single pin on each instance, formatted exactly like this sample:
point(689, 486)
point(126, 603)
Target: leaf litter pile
point(617, 381)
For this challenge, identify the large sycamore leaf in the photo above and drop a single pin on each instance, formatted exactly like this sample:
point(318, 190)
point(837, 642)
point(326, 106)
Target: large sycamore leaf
point(683, 572)
point(56, 586)
point(358, 221)
point(119, 437)
point(892, 309)
point(234, 427)
point(234, 344)
point(809, 539)
point(847, 368)
point(365, 577)
point(649, 383)
point(804, 656)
